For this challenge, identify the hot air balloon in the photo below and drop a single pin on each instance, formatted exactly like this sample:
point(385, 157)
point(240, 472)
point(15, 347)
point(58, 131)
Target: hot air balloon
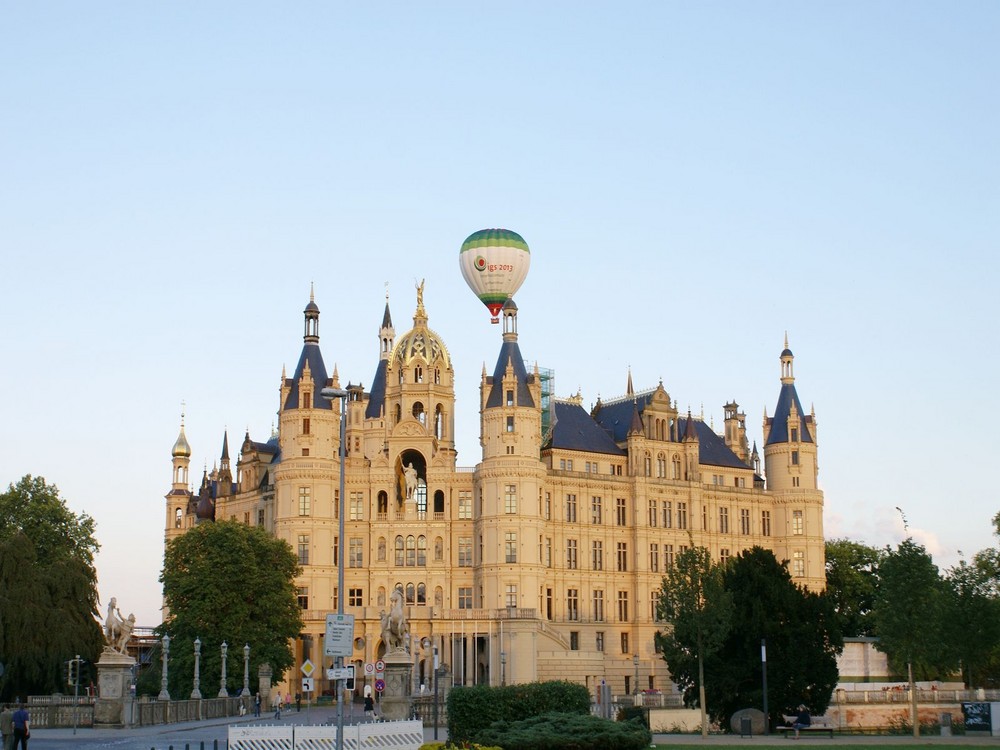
point(494, 263)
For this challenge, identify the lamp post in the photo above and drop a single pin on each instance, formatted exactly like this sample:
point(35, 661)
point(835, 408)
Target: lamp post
point(223, 693)
point(503, 667)
point(330, 394)
point(763, 671)
point(164, 694)
point(196, 692)
point(635, 663)
point(246, 671)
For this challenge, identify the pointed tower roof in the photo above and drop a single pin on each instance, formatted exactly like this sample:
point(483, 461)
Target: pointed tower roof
point(690, 432)
point(311, 362)
point(788, 400)
point(225, 445)
point(181, 447)
point(635, 428)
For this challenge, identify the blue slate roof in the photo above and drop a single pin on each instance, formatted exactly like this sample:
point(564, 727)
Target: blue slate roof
point(510, 353)
point(576, 430)
point(779, 422)
point(376, 399)
point(616, 419)
point(312, 355)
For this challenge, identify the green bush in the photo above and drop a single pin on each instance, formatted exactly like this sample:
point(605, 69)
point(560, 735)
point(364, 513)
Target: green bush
point(471, 709)
point(627, 713)
point(562, 731)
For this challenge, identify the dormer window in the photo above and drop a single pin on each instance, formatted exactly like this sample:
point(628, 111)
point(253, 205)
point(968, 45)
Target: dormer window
point(306, 400)
point(418, 374)
point(510, 424)
point(795, 434)
point(510, 398)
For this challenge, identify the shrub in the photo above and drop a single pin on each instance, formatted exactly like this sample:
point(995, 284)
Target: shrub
point(471, 709)
point(562, 731)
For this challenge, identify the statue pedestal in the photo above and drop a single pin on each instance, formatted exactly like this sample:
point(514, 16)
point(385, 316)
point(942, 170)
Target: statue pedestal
point(395, 703)
point(114, 678)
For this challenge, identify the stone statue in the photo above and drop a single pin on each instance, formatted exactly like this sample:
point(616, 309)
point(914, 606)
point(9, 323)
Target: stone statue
point(117, 628)
point(410, 474)
point(420, 293)
point(395, 629)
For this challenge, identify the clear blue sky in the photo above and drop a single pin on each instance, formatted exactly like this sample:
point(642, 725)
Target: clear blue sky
point(694, 179)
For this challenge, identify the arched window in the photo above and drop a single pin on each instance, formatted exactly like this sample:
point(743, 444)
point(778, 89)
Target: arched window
point(418, 374)
point(421, 551)
point(677, 466)
point(381, 549)
point(438, 549)
point(647, 466)
point(421, 594)
point(410, 597)
point(399, 551)
point(438, 422)
point(418, 413)
point(661, 466)
point(383, 502)
point(438, 501)
point(437, 376)
point(178, 518)
point(411, 551)
point(399, 414)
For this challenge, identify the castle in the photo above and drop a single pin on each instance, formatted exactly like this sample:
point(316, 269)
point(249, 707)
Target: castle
point(541, 562)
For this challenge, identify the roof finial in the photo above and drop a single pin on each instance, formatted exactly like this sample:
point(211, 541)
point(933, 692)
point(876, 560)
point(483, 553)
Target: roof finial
point(629, 391)
point(387, 292)
point(786, 339)
point(312, 297)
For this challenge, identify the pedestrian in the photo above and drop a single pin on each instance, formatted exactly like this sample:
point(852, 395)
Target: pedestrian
point(802, 720)
point(256, 706)
point(288, 701)
point(22, 729)
point(277, 706)
point(7, 726)
point(369, 707)
point(298, 702)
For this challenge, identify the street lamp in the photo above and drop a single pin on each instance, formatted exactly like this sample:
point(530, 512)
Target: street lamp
point(223, 693)
point(246, 671)
point(330, 394)
point(164, 694)
point(635, 663)
point(196, 693)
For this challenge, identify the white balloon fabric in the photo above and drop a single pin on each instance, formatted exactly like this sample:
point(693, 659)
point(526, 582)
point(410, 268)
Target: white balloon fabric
point(494, 263)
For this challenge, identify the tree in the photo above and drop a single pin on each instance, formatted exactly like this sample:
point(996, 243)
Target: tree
point(909, 617)
point(48, 588)
point(802, 636)
point(851, 582)
point(699, 609)
point(972, 621)
point(228, 582)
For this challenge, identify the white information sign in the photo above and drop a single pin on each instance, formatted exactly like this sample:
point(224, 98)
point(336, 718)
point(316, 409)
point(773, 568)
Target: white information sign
point(339, 637)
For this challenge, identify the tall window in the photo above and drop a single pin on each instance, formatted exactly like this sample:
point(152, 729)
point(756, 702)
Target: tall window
point(723, 520)
point(571, 508)
point(653, 512)
point(599, 641)
point(336, 550)
point(744, 520)
point(595, 509)
point(464, 504)
point(598, 601)
point(548, 552)
point(572, 604)
point(621, 515)
point(305, 501)
point(682, 515)
point(465, 597)
point(654, 558)
point(303, 549)
point(302, 597)
point(465, 552)
point(622, 557)
point(676, 463)
point(571, 554)
point(765, 523)
point(411, 551)
point(623, 606)
point(510, 498)
point(668, 514)
point(668, 556)
point(510, 596)
point(798, 564)
point(510, 546)
point(597, 555)
point(547, 510)
point(625, 648)
point(421, 551)
point(797, 522)
point(574, 640)
point(381, 549)
point(356, 555)
point(400, 550)
point(357, 500)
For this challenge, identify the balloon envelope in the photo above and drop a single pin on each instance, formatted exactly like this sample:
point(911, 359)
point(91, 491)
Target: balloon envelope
point(494, 263)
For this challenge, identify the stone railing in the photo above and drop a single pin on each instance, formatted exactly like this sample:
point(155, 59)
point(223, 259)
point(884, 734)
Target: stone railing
point(65, 711)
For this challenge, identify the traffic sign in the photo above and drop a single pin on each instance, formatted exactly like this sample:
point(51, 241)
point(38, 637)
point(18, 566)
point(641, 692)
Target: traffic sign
point(379, 685)
point(369, 668)
point(380, 666)
point(307, 684)
point(341, 673)
point(308, 668)
point(339, 637)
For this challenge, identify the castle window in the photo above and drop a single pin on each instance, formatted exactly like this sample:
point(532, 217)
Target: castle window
point(668, 514)
point(178, 517)
point(421, 551)
point(653, 512)
point(723, 520)
point(676, 461)
point(744, 520)
point(510, 424)
point(355, 597)
point(399, 549)
point(622, 557)
point(571, 554)
point(623, 606)
point(510, 498)
point(798, 564)
point(465, 552)
point(421, 594)
point(418, 413)
point(795, 458)
point(411, 551)
point(571, 508)
point(305, 452)
point(599, 641)
point(574, 640)
point(305, 426)
point(795, 434)
point(510, 600)
point(598, 603)
point(356, 553)
point(305, 501)
point(383, 502)
point(438, 422)
point(465, 597)
point(306, 400)
point(418, 374)
point(437, 376)
point(765, 523)
point(464, 504)
point(510, 398)
point(724, 555)
point(572, 604)
point(595, 509)
point(621, 512)
point(654, 558)
point(303, 549)
point(302, 597)
point(597, 555)
point(795, 481)
point(797, 524)
point(411, 593)
point(381, 549)
point(438, 549)
point(682, 516)
point(357, 500)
